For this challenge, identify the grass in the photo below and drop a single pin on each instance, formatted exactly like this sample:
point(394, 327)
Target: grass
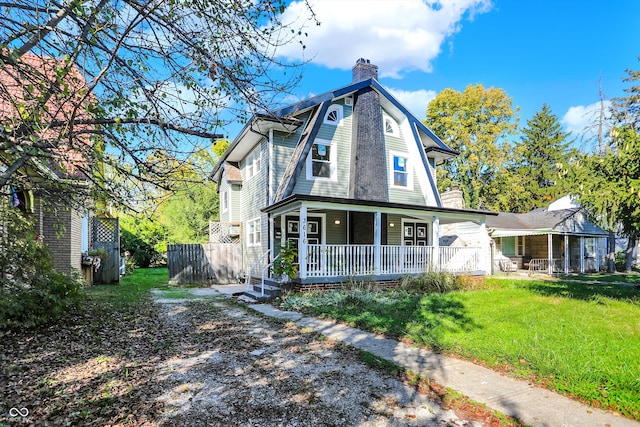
point(631, 278)
point(580, 339)
point(133, 287)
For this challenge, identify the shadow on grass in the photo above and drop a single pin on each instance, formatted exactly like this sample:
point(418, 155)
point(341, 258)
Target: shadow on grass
point(585, 291)
point(423, 319)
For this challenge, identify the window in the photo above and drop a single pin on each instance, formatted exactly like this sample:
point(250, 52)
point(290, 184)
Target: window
point(254, 163)
point(390, 127)
point(334, 115)
point(401, 176)
point(224, 200)
point(513, 246)
point(321, 162)
point(253, 232)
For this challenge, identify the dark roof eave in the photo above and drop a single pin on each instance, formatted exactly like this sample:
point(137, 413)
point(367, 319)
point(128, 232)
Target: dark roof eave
point(323, 199)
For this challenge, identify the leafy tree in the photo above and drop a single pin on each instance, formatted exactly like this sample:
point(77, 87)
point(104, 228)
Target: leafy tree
point(93, 89)
point(544, 147)
point(610, 181)
point(476, 123)
point(186, 215)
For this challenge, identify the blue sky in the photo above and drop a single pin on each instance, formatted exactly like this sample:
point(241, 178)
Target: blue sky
point(538, 51)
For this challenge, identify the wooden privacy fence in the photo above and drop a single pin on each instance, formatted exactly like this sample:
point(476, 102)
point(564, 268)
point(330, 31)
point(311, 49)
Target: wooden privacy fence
point(204, 263)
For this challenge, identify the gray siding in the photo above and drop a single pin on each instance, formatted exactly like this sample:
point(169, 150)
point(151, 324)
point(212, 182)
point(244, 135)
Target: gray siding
point(254, 196)
point(284, 146)
point(397, 195)
point(224, 186)
point(341, 136)
point(336, 234)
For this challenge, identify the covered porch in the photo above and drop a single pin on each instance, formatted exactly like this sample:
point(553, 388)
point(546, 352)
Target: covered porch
point(548, 252)
point(344, 239)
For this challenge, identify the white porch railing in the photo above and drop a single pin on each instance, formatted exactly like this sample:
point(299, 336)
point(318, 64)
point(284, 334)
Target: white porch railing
point(359, 260)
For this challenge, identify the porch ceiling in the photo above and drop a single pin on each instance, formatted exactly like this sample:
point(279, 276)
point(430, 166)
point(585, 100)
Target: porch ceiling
point(447, 215)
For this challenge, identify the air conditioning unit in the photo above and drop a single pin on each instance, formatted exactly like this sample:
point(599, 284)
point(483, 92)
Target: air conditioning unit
point(234, 230)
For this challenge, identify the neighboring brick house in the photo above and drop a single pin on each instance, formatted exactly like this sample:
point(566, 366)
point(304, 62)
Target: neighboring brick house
point(34, 184)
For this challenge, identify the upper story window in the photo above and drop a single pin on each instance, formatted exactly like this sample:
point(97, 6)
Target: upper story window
point(321, 161)
point(391, 127)
point(402, 176)
point(254, 163)
point(334, 115)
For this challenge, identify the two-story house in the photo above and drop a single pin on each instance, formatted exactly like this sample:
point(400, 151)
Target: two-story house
point(349, 177)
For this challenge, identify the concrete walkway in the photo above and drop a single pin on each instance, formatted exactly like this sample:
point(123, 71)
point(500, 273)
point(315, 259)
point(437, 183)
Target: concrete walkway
point(533, 405)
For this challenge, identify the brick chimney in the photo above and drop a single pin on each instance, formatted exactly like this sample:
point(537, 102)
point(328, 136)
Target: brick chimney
point(364, 70)
point(368, 180)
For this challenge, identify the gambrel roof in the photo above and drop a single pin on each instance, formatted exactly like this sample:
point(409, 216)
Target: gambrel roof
point(309, 114)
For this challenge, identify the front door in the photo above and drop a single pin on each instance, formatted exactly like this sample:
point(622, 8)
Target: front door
point(415, 234)
point(314, 230)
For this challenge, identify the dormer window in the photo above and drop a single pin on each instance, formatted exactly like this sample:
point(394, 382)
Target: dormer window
point(334, 115)
point(390, 127)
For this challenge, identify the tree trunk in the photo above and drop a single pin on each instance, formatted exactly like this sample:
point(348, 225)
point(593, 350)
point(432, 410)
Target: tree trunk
point(631, 244)
point(611, 256)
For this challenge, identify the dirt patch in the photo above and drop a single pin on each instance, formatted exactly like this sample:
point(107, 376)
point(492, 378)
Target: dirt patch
point(201, 360)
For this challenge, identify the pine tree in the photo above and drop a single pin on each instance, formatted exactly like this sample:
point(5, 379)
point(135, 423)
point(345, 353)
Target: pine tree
point(541, 153)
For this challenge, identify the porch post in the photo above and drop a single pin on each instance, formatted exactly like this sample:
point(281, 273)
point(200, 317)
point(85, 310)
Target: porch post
point(484, 250)
point(272, 237)
point(435, 242)
point(596, 244)
point(550, 252)
point(566, 254)
point(302, 243)
point(377, 239)
point(581, 254)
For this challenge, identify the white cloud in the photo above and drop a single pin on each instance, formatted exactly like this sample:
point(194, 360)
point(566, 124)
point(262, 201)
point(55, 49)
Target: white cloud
point(399, 36)
point(582, 120)
point(415, 101)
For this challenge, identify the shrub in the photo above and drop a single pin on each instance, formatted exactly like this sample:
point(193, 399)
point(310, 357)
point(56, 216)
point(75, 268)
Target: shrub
point(32, 292)
point(432, 282)
point(141, 253)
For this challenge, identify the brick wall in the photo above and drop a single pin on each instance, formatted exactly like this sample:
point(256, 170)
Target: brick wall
point(62, 231)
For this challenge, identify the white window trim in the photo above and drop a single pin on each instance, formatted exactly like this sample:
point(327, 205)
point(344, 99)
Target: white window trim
point(251, 163)
point(224, 198)
point(338, 109)
point(406, 156)
point(395, 131)
point(257, 222)
point(517, 240)
point(333, 161)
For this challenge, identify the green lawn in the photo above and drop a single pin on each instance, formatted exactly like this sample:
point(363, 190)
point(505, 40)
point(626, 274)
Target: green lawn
point(580, 339)
point(132, 286)
point(607, 277)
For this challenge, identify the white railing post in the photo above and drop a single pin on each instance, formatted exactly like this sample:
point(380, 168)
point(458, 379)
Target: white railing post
point(377, 240)
point(435, 242)
point(302, 243)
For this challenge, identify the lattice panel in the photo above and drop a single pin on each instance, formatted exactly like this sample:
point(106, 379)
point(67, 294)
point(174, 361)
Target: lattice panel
point(104, 229)
point(224, 232)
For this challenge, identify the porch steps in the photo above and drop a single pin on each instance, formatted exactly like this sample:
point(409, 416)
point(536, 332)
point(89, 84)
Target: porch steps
point(270, 292)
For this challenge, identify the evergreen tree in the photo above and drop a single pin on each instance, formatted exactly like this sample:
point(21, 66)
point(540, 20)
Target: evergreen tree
point(543, 148)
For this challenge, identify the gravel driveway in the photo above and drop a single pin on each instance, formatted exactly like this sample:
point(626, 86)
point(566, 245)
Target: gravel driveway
point(241, 368)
